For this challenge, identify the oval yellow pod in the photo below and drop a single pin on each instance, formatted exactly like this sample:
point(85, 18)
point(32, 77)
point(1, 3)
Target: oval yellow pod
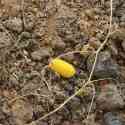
point(62, 67)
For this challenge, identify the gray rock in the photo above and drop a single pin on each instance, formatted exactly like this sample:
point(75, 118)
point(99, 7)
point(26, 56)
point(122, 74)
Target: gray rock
point(109, 98)
point(14, 24)
point(41, 53)
point(111, 119)
point(105, 66)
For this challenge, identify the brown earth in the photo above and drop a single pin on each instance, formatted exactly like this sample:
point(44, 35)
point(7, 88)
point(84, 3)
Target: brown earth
point(34, 31)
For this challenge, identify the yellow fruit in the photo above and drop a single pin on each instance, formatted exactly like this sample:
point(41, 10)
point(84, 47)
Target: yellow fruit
point(62, 67)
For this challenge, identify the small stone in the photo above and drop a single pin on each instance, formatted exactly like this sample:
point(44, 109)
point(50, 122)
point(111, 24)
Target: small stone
point(22, 111)
point(29, 26)
point(123, 45)
point(77, 109)
point(25, 35)
point(4, 40)
point(50, 8)
point(123, 18)
point(41, 53)
point(105, 66)
point(114, 49)
point(94, 42)
point(14, 24)
point(111, 119)
point(13, 80)
point(109, 98)
point(119, 35)
point(58, 43)
point(68, 87)
point(2, 115)
point(75, 103)
point(29, 21)
point(69, 58)
point(90, 12)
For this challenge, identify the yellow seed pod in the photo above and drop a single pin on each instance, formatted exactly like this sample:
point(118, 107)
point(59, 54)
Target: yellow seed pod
point(62, 67)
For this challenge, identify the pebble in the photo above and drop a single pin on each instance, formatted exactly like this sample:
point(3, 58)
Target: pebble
point(114, 49)
point(26, 35)
point(119, 35)
point(77, 109)
point(2, 115)
point(94, 42)
point(123, 18)
point(109, 98)
point(29, 21)
point(111, 119)
point(22, 111)
point(105, 66)
point(123, 45)
point(4, 40)
point(14, 24)
point(41, 53)
point(75, 103)
point(58, 43)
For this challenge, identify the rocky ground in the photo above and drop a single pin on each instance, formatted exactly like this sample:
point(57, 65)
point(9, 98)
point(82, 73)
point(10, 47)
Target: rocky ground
point(34, 31)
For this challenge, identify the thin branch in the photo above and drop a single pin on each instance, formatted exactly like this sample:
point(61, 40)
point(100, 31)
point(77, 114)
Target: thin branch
point(92, 101)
